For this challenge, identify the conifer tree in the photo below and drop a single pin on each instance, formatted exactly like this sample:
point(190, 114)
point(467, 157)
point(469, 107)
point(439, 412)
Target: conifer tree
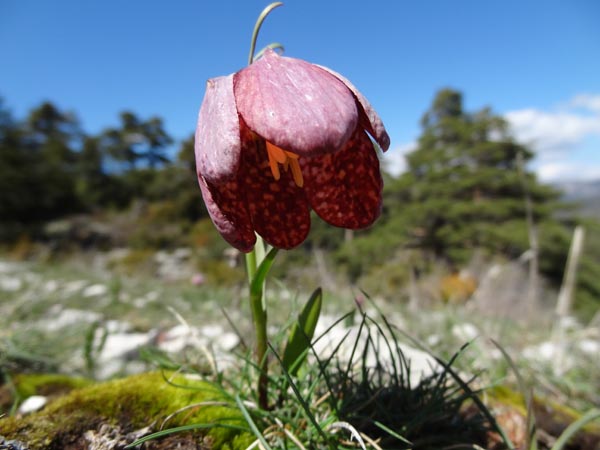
point(462, 189)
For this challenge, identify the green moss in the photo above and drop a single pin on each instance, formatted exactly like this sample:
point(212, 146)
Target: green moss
point(27, 385)
point(131, 403)
point(506, 396)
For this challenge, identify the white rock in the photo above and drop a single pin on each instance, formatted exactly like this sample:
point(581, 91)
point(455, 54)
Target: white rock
point(10, 284)
point(118, 345)
point(228, 341)
point(544, 352)
point(212, 331)
point(140, 302)
point(116, 326)
point(68, 317)
point(51, 286)
point(32, 404)
point(590, 347)
point(95, 290)
point(7, 267)
point(175, 339)
point(421, 364)
point(75, 286)
point(569, 323)
point(465, 331)
point(433, 340)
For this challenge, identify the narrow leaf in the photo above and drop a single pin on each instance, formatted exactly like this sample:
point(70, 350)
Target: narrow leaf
point(258, 281)
point(251, 423)
point(302, 333)
point(572, 429)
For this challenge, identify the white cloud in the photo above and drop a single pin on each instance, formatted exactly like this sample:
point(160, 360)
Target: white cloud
point(587, 101)
point(568, 171)
point(394, 159)
point(552, 132)
point(558, 137)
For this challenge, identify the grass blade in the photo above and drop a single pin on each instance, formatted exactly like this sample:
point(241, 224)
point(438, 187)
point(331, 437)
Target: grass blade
point(197, 426)
point(251, 423)
point(572, 429)
point(302, 333)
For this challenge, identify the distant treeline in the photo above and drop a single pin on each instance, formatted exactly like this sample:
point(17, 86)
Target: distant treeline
point(50, 168)
point(466, 189)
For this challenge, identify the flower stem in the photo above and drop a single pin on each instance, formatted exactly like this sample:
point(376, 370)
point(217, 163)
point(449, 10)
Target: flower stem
point(261, 18)
point(259, 319)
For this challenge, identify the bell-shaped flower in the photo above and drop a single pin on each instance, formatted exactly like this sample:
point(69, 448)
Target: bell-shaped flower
point(279, 138)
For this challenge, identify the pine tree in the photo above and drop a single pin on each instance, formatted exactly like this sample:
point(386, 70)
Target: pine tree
point(462, 189)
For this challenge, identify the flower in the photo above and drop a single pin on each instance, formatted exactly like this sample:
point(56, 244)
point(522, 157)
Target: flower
point(279, 138)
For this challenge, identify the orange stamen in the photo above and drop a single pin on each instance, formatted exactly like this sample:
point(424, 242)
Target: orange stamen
point(288, 159)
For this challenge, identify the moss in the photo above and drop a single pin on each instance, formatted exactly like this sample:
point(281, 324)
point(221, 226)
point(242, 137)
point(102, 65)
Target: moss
point(27, 385)
point(503, 395)
point(19, 387)
point(132, 403)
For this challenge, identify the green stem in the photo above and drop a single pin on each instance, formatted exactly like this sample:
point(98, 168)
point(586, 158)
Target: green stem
point(259, 22)
point(259, 318)
point(251, 265)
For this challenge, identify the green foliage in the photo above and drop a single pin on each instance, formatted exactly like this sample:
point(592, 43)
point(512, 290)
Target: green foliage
point(49, 168)
point(464, 183)
point(302, 333)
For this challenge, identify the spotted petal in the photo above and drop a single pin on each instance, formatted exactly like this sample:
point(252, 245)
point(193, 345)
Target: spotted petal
point(345, 188)
point(295, 105)
point(369, 119)
point(228, 211)
point(217, 142)
point(278, 208)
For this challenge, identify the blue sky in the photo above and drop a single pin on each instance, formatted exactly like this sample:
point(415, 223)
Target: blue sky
point(535, 62)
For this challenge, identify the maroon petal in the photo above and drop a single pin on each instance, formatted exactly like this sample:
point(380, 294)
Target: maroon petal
point(218, 132)
point(295, 105)
point(369, 119)
point(345, 188)
point(228, 211)
point(279, 209)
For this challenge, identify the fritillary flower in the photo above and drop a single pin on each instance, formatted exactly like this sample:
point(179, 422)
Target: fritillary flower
point(279, 138)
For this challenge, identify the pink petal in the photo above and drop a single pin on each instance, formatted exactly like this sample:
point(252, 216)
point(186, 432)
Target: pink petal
point(345, 188)
point(279, 209)
point(369, 119)
point(228, 211)
point(295, 105)
point(218, 132)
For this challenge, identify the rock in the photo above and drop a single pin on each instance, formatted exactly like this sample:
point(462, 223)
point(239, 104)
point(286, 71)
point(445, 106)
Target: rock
point(95, 290)
point(109, 437)
point(12, 444)
point(174, 266)
point(67, 317)
point(589, 346)
point(32, 404)
point(73, 287)
point(10, 284)
point(465, 332)
point(421, 364)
